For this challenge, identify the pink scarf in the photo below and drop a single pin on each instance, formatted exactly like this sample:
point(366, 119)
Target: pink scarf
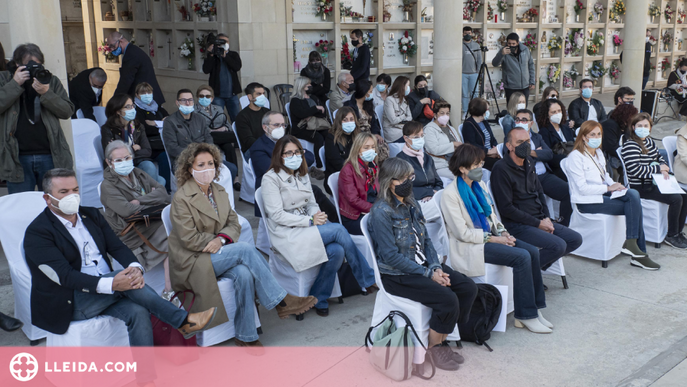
point(412, 152)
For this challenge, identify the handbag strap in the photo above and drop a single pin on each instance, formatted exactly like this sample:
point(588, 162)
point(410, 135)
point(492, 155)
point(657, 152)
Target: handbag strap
point(146, 241)
point(182, 302)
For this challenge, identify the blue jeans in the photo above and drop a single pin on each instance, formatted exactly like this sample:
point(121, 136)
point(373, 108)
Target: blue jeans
point(528, 287)
point(469, 82)
point(242, 263)
point(34, 167)
point(232, 168)
point(339, 244)
point(629, 205)
point(232, 104)
point(165, 169)
point(563, 241)
point(149, 167)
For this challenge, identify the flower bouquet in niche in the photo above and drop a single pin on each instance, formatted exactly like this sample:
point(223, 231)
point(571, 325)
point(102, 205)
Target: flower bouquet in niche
point(667, 40)
point(107, 52)
point(571, 74)
point(471, 7)
point(407, 8)
point(324, 9)
point(555, 43)
point(346, 58)
point(665, 66)
point(490, 13)
point(530, 41)
point(654, 12)
point(617, 42)
point(681, 16)
point(595, 44)
point(500, 88)
point(598, 10)
point(324, 47)
point(188, 50)
point(502, 6)
point(617, 10)
point(614, 72)
point(205, 9)
point(668, 13)
point(579, 7)
point(597, 71)
point(574, 42)
point(553, 73)
point(367, 40)
point(530, 15)
point(567, 81)
point(407, 47)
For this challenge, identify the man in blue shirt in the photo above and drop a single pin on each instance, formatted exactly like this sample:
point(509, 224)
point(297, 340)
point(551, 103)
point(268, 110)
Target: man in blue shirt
point(224, 78)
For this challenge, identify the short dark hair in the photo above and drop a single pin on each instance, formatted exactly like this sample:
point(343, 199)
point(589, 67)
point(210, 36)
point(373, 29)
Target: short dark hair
point(250, 89)
point(585, 80)
point(525, 111)
point(683, 62)
point(412, 127)
point(465, 156)
point(314, 56)
point(357, 32)
point(277, 162)
point(441, 104)
point(362, 86)
point(477, 107)
point(419, 79)
point(114, 105)
point(508, 135)
point(222, 35)
point(467, 29)
point(623, 91)
point(24, 50)
point(53, 173)
point(513, 36)
point(182, 91)
point(383, 77)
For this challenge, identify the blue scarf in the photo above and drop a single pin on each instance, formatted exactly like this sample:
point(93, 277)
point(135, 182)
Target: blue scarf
point(149, 108)
point(477, 205)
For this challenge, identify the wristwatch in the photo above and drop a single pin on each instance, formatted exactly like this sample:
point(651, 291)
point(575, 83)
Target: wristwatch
point(223, 240)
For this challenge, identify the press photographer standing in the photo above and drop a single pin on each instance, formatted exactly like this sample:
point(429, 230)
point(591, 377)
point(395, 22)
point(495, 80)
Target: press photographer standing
point(517, 67)
point(472, 61)
point(33, 101)
point(223, 66)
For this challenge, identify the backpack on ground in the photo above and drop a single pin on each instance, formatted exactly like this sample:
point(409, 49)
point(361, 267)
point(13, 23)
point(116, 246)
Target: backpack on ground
point(484, 316)
point(393, 348)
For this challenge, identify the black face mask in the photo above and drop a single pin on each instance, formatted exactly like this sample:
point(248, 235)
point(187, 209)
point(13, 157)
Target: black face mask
point(307, 90)
point(422, 91)
point(467, 37)
point(355, 42)
point(523, 150)
point(351, 87)
point(514, 49)
point(316, 65)
point(404, 189)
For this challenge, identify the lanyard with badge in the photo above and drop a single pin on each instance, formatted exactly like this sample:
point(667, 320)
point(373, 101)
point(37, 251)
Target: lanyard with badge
point(601, 171)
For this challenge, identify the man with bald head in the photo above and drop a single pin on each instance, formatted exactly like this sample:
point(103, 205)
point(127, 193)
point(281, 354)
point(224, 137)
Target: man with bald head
point(136, 67)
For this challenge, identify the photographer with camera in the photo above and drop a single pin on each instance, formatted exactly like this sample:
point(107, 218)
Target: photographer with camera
point(33, 101)
point(223, 66)
point(517, 67)
point(472, 61)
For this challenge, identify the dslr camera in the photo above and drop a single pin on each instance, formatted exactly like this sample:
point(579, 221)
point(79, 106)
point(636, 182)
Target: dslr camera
point(217, 44)
point(36, 71)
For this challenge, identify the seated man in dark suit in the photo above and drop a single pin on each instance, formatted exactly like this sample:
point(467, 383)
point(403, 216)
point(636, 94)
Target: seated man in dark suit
point(86, 91)
point(66, 248)
point(261, 155)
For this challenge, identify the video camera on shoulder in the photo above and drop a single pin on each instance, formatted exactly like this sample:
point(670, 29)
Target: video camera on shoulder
point(36, 71)
point(217, 49)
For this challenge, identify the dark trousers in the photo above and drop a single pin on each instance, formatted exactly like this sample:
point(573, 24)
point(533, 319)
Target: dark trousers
point(317, 138)
point(489, 162)
point(528, 287)
point(449, 304)
point(628, 205)
point(645, 79)
point(352, 225)
point(225, 141)
point(557, 189)
point(552, 246)
point(677, 210)
point(325, 204)
point(510, 92)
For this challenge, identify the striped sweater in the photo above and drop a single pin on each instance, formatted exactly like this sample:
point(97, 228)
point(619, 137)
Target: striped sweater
point(638, 165)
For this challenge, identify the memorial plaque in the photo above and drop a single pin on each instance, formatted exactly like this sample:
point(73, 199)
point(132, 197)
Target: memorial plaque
point(305, 42)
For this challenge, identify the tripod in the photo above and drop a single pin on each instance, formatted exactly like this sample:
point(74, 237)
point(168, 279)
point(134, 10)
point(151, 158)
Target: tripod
point(480, 83)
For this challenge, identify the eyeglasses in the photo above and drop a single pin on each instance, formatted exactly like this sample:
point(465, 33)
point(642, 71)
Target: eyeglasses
point(416, 137)
point(127, 158)
point(521, 120)
point(128, 107)
point(186, 100)
point(204, 96)
point(277, 126)
point(288, 154)
point(411, 178)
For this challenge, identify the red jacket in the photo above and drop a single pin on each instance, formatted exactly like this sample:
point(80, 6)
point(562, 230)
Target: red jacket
point(352, 193)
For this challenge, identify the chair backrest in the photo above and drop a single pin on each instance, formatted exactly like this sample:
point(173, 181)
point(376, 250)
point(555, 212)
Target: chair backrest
point(166, 219)
point(98, 145)
point(437, 202)
point(87, 159)
point(564, 168)
point(379, 111)
point(331, 116)
point(18, 211)
point(499, 148)
point(501, 122)
point(375, 267)
point(333, 182)
point(261, 206)
point(279, 90)
point(670, 144)
point(98, 112)
point(619, 151)
point(321, 152)
point(173, 180)
point(288, 113)
point(334, 114)
point(99, 184)
point(460, 131)
point(284, 98)
point(395, 148)
point(226, 180)
point(79, 114)
point(236, 133)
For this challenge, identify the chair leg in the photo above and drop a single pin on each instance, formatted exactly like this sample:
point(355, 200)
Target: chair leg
point(604, 264)
point(34, 343)
point(340, 300)
point(459, 344)
point(300, 317)
point(565, 282)
point(259, 330)
point(657, 245)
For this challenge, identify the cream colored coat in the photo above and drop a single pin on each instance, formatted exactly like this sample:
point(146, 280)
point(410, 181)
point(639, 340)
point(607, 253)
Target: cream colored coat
point(284, 197)
point(466, 243)
point(194, 224)
point(680, 161)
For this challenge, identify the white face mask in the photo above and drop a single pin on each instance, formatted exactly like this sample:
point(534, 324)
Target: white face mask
point(521, 106)
point(556, 118)
point(226, 46)
point(96, 91)
point(68, 205)
point(278, 133)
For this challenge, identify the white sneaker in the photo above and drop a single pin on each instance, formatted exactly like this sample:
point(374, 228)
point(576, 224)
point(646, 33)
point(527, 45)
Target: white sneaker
point(543, 321)
point(533, 325)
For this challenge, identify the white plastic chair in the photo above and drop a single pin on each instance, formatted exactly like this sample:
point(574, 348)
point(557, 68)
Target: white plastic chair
point(334, 113)
point(248, 176)
point(379, 112)
point(359, 240)
point(307, 145)
point(501, 125)
point(222, 332)
point(324, 164)
point(89, 164)
point(603, 235)
point(670, 145)
point(297, 284)
point(243, 101)
point(417, 313)
point(98, 112)
point(172, 178)
point(460, 131)
point(654, 214)
point(395, 148)
point(329, 110)
point(225, 180)
point(499, 148)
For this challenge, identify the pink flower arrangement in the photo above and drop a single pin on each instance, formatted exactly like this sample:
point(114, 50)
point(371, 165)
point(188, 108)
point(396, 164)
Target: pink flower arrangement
point(324, 46)
point(616, 40)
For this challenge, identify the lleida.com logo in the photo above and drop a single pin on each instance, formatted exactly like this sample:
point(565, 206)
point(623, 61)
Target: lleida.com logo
point(24, 367)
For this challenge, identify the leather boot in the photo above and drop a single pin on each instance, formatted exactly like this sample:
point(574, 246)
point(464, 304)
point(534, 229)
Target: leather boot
point(295, 305)
point(196, 322)
point(253, 348)
point(9, 324)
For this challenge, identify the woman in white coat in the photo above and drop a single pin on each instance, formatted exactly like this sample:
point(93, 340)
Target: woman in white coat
point(441, 139)
point(476, 236)
point(396, 109)
point(299, 231)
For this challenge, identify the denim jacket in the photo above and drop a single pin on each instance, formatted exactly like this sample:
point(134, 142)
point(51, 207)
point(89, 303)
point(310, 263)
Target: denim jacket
point(393, 241)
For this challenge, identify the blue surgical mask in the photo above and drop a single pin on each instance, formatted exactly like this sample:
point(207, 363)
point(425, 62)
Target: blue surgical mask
point(594, 142)
point(348, 127)
point(294, 162)
point(369, 98)
point(486, 115)
point(368, 155)
point(261, 101)
point(522, 125)
point(407, 90)
point(117, 51)
point(381, 88)
point(130, 115)
point(587, 93)
point(146, 98)
point(204, 102)
point(186, 110)
point(418, 143)
point(642, 132)
point(124, 168)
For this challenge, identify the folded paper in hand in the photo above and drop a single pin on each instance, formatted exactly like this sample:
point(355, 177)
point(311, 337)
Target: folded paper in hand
point(617, 194)
point(669, 186)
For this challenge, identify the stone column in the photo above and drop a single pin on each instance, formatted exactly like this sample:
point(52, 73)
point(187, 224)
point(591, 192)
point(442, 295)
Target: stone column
point(448, 53)
point(633, 46)
point(37, 21)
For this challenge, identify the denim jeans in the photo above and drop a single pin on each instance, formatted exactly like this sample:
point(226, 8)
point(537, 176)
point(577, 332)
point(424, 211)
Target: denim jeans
point(677, 207)
point(528, 287)
point(34, 167)
point(339, 244)
point(165, 169)
point(469, 82)
point(629, 205)
point(242, 263)
point(552, 246)
point(149, 167)
point(232, 168)
point(231, 103)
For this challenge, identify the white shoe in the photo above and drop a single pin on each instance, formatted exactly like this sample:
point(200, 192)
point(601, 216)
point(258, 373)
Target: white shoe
point(543, 321)
point(533, 325)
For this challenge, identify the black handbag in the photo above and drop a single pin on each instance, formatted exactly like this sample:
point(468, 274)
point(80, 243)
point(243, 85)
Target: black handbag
point(349, 285)
point(146, 215)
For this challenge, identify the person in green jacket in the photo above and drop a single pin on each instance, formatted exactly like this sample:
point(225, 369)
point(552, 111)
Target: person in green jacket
point(30, 110)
